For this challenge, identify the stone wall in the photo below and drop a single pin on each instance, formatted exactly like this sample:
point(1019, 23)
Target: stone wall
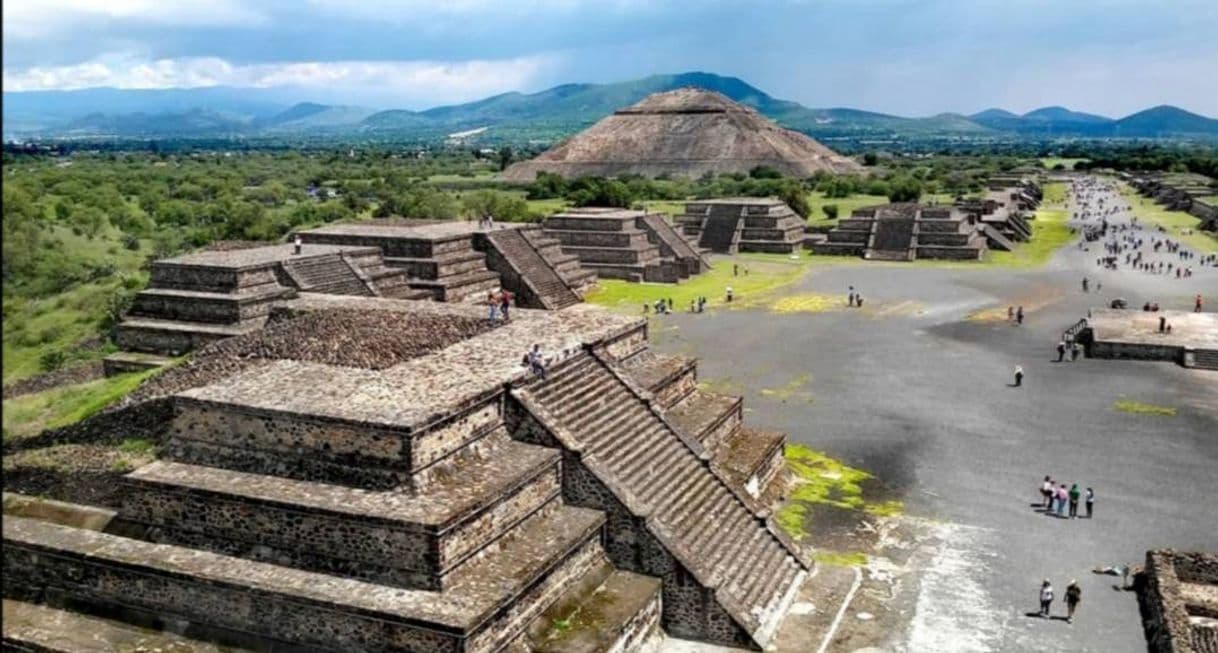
point(1135, 351)
point(1165, 612)
point(210, 279)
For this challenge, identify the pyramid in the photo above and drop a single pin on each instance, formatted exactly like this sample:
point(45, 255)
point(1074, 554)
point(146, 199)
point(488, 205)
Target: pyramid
point(687, 132)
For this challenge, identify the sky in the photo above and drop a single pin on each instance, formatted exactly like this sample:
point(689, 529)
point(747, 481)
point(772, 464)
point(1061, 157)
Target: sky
point(912, 58)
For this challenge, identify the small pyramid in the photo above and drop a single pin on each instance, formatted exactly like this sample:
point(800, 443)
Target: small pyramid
point(687, 132)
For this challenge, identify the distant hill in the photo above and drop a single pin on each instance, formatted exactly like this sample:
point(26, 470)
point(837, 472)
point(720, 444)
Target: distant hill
point(549, 114)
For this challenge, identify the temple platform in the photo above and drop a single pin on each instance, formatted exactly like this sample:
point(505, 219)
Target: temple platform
point(1134, 334)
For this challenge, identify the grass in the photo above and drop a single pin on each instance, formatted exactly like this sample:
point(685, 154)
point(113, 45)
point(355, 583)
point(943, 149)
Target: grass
point(845, 205)
point(836, 559)
point(547, 207)
point(28, 415)
point(60, 322)
point(1139, 408)
point(1050, 232)
point(1173, 221)
point(766, 273)
point(671, 207)
point(821, 480)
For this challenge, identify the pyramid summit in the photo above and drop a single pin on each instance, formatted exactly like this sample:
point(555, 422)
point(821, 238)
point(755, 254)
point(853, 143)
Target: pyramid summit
point(687, 132)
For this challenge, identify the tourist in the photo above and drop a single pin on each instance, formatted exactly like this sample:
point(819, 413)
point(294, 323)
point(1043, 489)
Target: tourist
point(1074, 351)
point(1019, 315)
point(858, 300)
point(1197, 304)
point(735, 270)
point(1162, 324)
point(1018, 376)
point(1010, 314)
point(729, 294)
point(1063, 495)
point(1084, 284)
point(850, 297)
point(1074, 495)
point(1046, 493)
point(506, 302)
point(1061, 350)
point(536, 362)
point(1074, 596)
point(646, 308)
point(493, 302)
point(1090, 501)
point(1046, 598)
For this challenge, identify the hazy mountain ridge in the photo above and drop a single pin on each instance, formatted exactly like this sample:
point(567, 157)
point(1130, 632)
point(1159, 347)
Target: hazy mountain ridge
point(221, 111)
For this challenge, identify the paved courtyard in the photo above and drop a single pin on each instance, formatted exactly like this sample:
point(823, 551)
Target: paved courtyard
point(916, 388)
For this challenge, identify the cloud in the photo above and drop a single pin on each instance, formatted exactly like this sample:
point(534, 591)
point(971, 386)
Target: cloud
point(434, 81)
point(35, 19)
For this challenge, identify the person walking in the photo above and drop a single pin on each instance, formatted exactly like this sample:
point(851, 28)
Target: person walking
point(1061, 350)
point(1010, 314)
point(1046, 493)
point(1063, 495)
point(1018, 376)
point(1197, 304)
point(1090, 501)
point(493, 302)
point(1019, 315)
point(1074, 495)
point(1074, 596)
point(1046, 598)
point(1084, 284)
point(506, 303)
point(729, 294)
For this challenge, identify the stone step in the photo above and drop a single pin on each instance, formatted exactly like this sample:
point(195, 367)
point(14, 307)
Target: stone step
point(125, 362)
point(444, 265)
point(41, 629)
point(708, 417)
point(653, 471)
point(175, 337)
point(490, 602)
point(208, 307)
point(608, 611)
point(458, 287)
point(751, 459)
point(394, 537)
point(670, 378)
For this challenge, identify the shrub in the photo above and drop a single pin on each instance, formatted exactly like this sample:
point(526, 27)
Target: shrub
point(830, 211)
point(131, 242)
point(52, 359)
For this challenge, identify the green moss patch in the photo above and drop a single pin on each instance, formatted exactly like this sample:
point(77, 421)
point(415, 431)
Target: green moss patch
point(28, 415)
point(1140, 408)
point(821, 481)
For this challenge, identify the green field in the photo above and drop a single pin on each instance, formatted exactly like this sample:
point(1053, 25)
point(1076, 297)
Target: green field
point(845, 205)
point(1175, 222)
point(766, 273)
point(27, 415)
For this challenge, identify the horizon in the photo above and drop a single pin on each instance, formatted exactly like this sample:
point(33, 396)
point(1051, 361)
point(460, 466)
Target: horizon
point(898, 58)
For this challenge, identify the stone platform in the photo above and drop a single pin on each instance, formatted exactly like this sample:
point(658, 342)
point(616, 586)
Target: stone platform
point(1134, 334)
point(626, 244)
point(449, 501)
point(457, 260)
point(743, 224)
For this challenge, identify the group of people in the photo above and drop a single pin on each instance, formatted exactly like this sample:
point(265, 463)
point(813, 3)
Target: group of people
point(666, 306)
point(499, 301)
point(1056, 499)
point(854, 298)
point(1015, 315)
point(1074, 596)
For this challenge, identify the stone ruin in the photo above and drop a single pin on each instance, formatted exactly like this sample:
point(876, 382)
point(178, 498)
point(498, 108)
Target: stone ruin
point(687, 132)
point(743, 224)
point(1178, 593)
point(442, 498)
point(910, 231)
point(199, 298)
point(626, 244)
point(1179, 196)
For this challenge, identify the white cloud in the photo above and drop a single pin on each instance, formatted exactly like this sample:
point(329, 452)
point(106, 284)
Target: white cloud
point(433, 81)
point(33, 19)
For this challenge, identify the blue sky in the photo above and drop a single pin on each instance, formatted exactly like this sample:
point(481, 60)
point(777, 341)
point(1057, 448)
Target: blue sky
point(909, 58)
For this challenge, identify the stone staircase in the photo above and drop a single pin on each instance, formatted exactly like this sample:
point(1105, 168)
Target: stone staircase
point(331, 274)
point(567, 265)
point(1205, 359)
point(721, 229)
point(890, 240)
point(673, 243)
point(530, 270)
point(625, 457)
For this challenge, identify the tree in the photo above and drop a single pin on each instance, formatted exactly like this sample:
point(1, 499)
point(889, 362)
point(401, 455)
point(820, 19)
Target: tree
point(794, 196)
point(765, 172)
point(904, 189)
point(498, 205)
point(870, 159)
point(505, 157)
point(830, 211)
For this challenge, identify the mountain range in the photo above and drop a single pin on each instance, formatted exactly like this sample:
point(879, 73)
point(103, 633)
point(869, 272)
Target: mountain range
point(546, 115)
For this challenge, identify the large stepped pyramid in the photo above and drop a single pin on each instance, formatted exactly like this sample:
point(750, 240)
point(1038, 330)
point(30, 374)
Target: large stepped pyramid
point(450, 502)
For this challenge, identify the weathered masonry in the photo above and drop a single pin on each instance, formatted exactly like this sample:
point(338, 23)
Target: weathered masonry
point(626, 244)
point(451, 502)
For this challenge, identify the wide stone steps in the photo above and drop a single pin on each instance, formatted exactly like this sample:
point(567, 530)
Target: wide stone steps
point(209, 307)
point(551, 288)
point(490, 602)
point(326, 274)
point(607, 611)
point(32, 628)
point(458, 287)
point(668, 377)
point(395, 537)
point(691, 511)
point(1205, 359)
point(667, 234)
point(176, 337)
point(709, 417)
point(721, 231)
